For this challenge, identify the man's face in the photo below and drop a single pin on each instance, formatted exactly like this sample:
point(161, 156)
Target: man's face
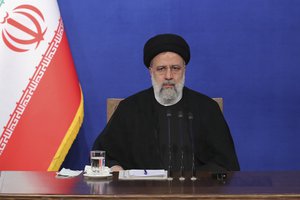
point(167, 71)
point(167, 66)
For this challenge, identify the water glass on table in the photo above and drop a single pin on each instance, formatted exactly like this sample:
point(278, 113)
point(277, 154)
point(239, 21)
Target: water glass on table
point(97, 161)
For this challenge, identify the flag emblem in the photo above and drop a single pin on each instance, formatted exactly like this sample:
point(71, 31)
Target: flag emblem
point(26, 22)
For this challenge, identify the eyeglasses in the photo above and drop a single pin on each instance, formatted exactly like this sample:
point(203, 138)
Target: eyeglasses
point(175, 69)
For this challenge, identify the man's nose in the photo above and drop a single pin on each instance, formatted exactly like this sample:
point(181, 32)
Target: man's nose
point(169, 74)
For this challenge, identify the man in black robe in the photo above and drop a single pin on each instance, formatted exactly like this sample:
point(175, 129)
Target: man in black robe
point(168, 126)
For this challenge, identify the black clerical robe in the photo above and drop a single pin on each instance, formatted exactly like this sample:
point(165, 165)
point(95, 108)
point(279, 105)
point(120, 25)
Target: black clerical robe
point(139, 133)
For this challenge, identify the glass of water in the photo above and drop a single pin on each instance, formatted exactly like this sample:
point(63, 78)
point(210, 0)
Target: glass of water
point(97, 160)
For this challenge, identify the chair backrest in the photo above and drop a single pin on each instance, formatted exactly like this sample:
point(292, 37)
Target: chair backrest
point(112, 104)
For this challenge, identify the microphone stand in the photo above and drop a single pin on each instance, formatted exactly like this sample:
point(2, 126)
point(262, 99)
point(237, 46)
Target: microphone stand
point(190, 117)
point(169, 114)
point(180, 117)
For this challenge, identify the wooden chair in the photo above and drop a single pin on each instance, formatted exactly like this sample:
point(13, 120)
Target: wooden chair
point(112, 104)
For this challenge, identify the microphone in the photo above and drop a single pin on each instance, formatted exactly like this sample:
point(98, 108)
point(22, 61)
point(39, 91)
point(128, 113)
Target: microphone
point(180, 117)
point(169, 115)
point(190, 117)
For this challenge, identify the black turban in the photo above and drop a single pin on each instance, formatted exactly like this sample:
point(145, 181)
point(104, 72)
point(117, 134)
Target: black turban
point(166, 42)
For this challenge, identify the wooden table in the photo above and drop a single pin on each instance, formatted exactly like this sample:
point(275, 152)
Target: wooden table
point(238, 185)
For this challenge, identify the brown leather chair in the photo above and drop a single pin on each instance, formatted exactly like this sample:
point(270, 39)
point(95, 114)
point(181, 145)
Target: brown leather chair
point(112, 104)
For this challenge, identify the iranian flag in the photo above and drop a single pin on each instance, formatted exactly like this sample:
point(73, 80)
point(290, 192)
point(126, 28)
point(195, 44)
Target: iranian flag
point(41, 103)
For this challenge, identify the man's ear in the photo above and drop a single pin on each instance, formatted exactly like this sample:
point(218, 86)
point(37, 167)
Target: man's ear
point(150, 70)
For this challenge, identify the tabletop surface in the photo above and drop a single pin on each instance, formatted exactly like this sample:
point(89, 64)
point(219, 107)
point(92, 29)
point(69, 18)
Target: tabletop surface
point(261, 184)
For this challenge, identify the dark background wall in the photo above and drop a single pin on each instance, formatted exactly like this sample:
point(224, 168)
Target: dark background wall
point(246, 51)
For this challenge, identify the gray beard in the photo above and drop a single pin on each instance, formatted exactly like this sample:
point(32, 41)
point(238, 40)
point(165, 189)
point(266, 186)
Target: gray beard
point(168, 96)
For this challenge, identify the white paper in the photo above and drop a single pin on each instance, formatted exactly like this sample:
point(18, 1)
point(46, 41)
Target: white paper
point(152, 172)
point(137, 174)
point(68, 172)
